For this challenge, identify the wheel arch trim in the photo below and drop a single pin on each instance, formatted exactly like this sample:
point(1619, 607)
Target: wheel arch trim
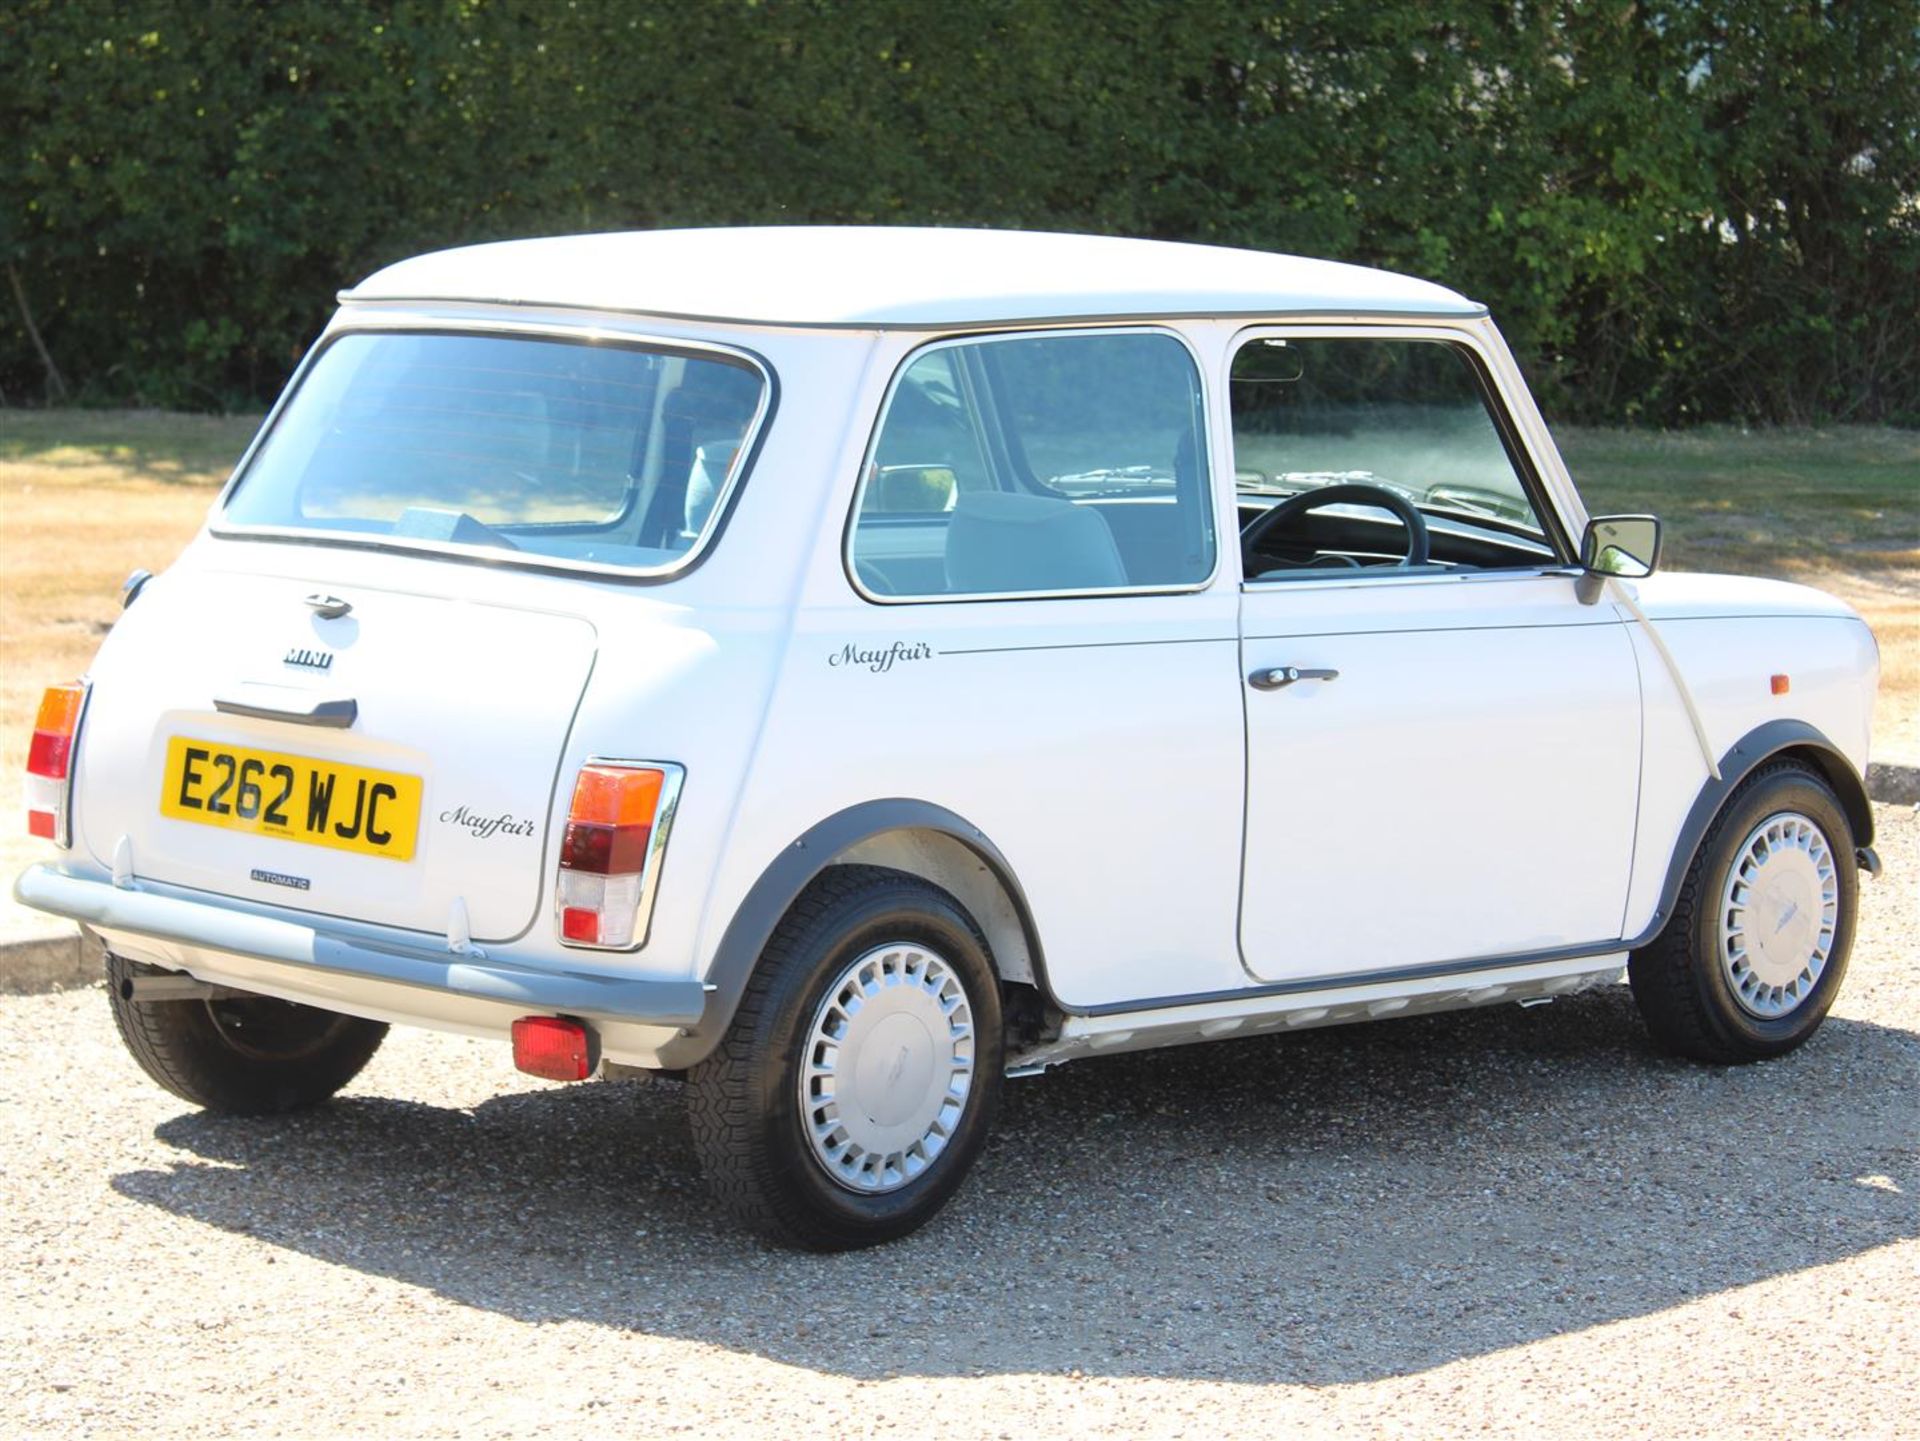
point(794, 869)
point(1764, 743)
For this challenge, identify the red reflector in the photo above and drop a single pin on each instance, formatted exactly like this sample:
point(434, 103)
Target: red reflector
point(48, 755)
point(580, 924)
point(1782, 684)
point(40, 823)
point(551, 1048)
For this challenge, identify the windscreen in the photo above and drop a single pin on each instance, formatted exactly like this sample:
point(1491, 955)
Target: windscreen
point(601, 453)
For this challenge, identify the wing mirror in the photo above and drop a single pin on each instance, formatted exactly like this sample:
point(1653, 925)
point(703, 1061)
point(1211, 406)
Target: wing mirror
point(1627, 546)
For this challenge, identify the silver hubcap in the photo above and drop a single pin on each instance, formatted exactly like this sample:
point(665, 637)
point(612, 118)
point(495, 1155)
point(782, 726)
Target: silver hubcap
point(1777, 915)
point(888, 1068)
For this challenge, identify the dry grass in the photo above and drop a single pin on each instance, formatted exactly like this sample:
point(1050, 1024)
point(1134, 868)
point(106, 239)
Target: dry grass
point(1835, 509)
point(87, 496)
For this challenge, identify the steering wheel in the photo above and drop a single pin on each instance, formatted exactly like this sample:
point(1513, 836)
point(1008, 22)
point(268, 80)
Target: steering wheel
point(1353, 493)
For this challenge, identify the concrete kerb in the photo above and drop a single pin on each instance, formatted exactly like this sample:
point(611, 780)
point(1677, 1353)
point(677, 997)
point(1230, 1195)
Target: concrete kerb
point(55, 960)
point(63, 957)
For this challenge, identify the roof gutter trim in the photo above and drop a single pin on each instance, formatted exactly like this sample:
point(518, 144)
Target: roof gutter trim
point(1469, 311)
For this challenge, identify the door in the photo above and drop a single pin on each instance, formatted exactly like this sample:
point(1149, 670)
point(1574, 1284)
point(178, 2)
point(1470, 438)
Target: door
point(1443, 744)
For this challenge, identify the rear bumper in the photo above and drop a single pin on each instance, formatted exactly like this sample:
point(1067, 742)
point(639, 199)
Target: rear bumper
point(200, 934)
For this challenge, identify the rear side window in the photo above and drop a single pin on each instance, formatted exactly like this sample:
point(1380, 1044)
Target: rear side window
point(608, 454)
point(1032, 465)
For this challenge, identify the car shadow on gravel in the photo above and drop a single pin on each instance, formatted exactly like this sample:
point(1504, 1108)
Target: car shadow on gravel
point(1329, 1207)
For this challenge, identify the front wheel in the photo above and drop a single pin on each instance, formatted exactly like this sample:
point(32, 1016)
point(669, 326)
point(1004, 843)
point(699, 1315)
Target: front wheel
point(860, 1074)
point(1756, 948)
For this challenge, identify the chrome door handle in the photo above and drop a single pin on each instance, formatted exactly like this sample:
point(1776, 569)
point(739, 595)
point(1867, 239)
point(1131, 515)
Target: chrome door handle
point(1275, 677)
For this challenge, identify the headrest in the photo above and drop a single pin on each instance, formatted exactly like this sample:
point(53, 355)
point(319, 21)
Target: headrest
point(1000, 541)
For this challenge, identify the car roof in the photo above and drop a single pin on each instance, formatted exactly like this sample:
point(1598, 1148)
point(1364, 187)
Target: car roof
point(886, 276)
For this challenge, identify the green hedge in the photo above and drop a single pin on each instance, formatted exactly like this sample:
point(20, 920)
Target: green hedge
point(1678, 211)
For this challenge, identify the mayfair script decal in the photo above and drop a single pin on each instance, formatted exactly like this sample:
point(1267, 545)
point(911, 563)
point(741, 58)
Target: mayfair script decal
point(879, 661)
point(486, 827)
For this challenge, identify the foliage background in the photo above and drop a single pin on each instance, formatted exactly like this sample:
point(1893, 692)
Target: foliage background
point(1679, 210)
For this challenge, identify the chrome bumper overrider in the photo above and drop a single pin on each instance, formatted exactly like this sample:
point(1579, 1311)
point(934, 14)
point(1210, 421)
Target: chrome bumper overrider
point(207, 924)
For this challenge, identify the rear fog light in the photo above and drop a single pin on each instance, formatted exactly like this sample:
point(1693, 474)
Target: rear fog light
point(552, 1048)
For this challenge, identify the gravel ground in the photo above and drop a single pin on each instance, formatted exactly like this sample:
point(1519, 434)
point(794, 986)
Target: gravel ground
point(1502, 1222)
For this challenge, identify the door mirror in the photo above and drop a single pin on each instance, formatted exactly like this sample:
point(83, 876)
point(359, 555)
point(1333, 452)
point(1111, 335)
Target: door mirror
point(1624, 545)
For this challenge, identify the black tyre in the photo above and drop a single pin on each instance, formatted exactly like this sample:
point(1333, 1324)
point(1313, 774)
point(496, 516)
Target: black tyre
point(243, 1055)
point(861, 1072)
point(1756, 948)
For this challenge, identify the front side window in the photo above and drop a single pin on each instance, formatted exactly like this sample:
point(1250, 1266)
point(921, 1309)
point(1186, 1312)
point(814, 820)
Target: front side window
point(1040, 464)
point(1374, 454)
point(604, 454)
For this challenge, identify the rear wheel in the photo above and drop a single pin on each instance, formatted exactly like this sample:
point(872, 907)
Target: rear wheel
point(1749, 964)
point(860, 1074)
point(243, 1055)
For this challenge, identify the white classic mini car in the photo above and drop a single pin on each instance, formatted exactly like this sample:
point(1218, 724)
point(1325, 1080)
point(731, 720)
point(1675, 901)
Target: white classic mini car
point(844, 667)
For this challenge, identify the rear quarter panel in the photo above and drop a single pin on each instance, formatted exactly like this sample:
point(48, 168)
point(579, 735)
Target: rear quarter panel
point(688, 670)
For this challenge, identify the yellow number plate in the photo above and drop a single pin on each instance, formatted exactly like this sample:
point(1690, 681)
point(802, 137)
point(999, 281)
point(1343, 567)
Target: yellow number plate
point(297, 798)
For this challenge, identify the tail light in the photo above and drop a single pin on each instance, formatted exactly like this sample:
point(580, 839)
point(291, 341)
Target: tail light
point(49, 788)
point(611, 853)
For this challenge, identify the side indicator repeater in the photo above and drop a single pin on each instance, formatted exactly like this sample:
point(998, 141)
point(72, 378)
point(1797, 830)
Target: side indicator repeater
point(1782, 684)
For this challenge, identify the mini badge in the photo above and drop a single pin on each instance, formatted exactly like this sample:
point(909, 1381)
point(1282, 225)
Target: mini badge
point(310, 658)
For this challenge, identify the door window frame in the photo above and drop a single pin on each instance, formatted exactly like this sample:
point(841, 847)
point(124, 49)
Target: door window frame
point(1495, 393)
point(1205, 416)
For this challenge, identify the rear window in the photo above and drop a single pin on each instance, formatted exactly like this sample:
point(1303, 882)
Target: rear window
point(599, 453)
